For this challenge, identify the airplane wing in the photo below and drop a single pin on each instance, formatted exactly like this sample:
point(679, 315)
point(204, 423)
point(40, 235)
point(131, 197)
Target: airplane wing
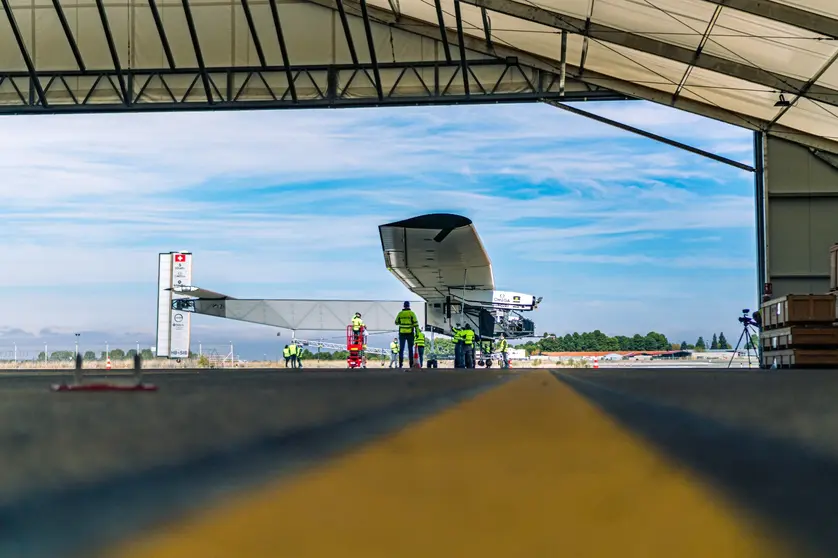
point(310, 315)
point(433, 253)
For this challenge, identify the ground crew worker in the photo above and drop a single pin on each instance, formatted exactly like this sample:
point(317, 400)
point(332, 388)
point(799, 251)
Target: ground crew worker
point(468, 342)
point(357, 327)
point(420, 346)
point(459, 357)
point(503, 349)
point(408, 324)
point(292, 351)
point(286, 353)
point(394, 350)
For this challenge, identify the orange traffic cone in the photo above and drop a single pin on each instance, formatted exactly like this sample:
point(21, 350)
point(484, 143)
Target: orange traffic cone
point(108, 364)
point(415, 356)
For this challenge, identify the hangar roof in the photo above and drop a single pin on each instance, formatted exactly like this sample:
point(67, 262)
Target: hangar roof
point(727, 59)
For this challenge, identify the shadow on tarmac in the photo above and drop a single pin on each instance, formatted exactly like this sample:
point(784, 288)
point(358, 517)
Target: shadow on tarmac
point(793, 486)
point(82, 519)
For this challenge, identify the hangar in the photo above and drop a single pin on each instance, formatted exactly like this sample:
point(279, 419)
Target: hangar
point(764, 65)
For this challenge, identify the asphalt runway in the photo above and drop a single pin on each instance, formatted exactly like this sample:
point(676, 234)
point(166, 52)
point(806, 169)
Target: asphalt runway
point(83, 471)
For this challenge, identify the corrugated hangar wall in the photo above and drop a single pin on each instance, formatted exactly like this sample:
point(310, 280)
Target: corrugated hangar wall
point(800, 200)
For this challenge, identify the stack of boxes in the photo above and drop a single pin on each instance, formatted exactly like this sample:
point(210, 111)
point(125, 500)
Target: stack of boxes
point(833, 269)
point(800, 330)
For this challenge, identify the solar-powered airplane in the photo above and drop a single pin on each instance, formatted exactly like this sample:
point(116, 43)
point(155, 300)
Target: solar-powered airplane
point(438, 257)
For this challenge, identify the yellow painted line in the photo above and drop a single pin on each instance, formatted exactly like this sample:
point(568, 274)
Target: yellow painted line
point(529, 469)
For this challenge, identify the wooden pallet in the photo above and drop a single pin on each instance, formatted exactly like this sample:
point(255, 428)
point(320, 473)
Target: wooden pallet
point(801, 358)
point(800, 337)
point(792, 310)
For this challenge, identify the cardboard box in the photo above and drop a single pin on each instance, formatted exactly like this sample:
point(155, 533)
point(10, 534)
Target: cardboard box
point(801, 358)
point(798, 310)
point(796, 337)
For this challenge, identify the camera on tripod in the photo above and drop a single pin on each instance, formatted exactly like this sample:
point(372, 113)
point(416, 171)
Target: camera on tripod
point(745, 319)
point(747, 323)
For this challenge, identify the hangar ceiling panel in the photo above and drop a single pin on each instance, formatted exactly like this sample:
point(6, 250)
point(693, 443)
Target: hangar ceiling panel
point(752, 101)
point(675, 21)
point(767, 44)
point(812, 115)
point(823, 7)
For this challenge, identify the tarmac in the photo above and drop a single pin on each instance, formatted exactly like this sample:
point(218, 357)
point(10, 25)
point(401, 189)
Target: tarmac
point(567, 462)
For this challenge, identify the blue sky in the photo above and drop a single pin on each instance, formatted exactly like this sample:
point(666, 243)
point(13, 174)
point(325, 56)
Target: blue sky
point(615, 231)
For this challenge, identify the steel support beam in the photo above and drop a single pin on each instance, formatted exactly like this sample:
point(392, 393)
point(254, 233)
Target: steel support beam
point(371, 44)
point(584, 56)
point(651, 136)
point(461, 42)
point(161, 32)
point(487, 26)
point(606, 34)
point(106, 29)
point(196, 44)
point(65, 26)
point(704, 38)
point(257, 44)
point(783, 13)
point(347, 32)
point(563, 63)
point(759, 203)
point(283, 48)
point(426, 88)
point(443, 33)
point(27, 60)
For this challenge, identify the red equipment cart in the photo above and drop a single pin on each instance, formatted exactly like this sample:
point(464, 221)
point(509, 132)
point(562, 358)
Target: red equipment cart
point(355, 347)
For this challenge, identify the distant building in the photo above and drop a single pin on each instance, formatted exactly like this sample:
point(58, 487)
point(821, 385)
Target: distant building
point(673, 354)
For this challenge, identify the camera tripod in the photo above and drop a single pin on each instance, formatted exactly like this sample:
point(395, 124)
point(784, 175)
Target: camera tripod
point(748, 331)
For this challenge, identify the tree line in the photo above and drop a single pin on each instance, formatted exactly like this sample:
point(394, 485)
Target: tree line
point(597, 341)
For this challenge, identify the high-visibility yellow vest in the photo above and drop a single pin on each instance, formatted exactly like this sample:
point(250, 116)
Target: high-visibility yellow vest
point(503, 345)
point(357, 323)
point(468, 336)
point(292, 350)
point(407, 321)
point(420, 339)
point(394, 347)
point(286, 352)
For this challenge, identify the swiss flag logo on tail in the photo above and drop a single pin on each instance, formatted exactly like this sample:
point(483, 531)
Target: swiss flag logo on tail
point(180, 257)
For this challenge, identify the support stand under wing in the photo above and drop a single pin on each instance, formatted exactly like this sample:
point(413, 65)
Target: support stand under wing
point(295, 314)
